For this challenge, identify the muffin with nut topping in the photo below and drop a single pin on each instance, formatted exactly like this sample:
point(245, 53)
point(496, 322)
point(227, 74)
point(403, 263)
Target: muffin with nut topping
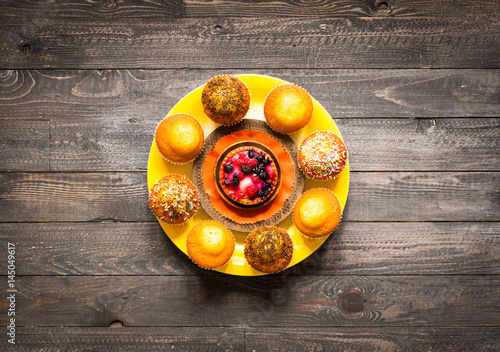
point(225, 100)
point(268, 249)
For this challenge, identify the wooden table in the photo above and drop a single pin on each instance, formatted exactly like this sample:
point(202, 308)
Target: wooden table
point(414, 87)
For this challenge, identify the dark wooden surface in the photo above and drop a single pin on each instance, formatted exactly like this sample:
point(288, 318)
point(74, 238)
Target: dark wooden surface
point(414, 86)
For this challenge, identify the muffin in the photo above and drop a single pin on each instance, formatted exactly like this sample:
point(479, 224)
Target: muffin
point(288, 108)
point(210, 244)
point(322, 155)
point(268, 249)
point(248, 175)
point(173, 199)
point(317, 212)
point(225, 100)
point(179, 138)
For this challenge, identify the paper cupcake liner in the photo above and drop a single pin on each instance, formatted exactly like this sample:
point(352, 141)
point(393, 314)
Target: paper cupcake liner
point(250, 221)
point(328, 234)
point(219, 267)
point(163, 156)
point(318, 179)
point(205, 201)
point(317, 237)
point(276, 272)
point(173, 223)
point(282, 84)
point(249, 104)
point(173, 162)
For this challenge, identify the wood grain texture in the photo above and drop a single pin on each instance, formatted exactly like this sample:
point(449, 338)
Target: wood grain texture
point(259, 339)
point(79, 197)
point(414, 266)
point(406, 196)
point(464, 144)
point(422, 144)
point(278, 300)
point(118, 144)
point(139, 95)
point(102, 145)
point(354, 249)
point(377, 339)
point(130, 339)
point(396, 196)
point(24, 145)
point(357, 42)
point(284, 8)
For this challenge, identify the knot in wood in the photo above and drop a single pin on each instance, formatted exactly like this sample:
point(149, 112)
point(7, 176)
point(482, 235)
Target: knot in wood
point(352, 302)
point(26, 49)
point(108, 4)
point(6, 74)
point(382, 7)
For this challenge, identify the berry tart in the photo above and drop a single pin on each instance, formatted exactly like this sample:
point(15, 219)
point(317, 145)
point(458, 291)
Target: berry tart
point(248, 175)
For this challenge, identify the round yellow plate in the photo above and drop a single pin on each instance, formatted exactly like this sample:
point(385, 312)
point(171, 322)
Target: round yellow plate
point(259, 87)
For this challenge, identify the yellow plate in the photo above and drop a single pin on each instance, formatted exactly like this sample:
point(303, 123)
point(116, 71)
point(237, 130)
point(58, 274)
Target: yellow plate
point(259, 87)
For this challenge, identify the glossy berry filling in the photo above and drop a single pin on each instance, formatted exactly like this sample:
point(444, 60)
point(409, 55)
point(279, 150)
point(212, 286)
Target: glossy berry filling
point(248, 175)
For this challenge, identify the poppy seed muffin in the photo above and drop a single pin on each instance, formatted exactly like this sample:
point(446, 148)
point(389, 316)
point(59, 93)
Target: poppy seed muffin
point(268, 249)
point(225, 100)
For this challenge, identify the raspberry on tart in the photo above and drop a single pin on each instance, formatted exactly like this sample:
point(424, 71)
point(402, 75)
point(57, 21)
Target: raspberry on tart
point(248, 175)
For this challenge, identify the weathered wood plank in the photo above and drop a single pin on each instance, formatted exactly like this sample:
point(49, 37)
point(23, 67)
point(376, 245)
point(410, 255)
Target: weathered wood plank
point(130, 339)
point(109, 248)
point(373, 196)
point(426, 196)
point(39, 11)
point(354, 249)
point(118, 144)
point(377, 339)
point(149, 94)
point(422, 144)
point(74, 197)
point(357, 42)
point(280, 300)
point(464, 144)
point(24, 145)
point(353, 339)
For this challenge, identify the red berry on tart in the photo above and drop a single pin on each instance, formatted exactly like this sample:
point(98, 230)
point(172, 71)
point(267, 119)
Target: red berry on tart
point(248, 175)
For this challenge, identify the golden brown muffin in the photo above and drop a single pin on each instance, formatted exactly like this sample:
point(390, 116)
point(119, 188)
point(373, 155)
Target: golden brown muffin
point(179, 138)
point(173, 199)
point(268, 249)
point(288, 108)
point(210, 244)
point(317, 212)
point(322, 155)
point(225, 100)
